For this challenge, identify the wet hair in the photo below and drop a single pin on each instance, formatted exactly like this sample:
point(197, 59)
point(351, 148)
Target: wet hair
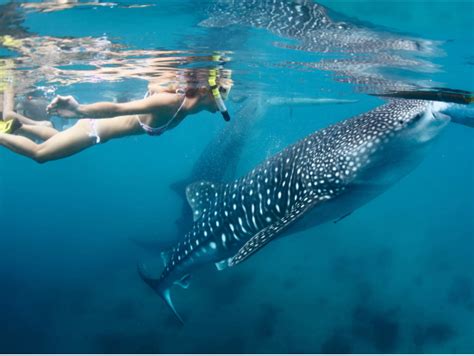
point(191, 81)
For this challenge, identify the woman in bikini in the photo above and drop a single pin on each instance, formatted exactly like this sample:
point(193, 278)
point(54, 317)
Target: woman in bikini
point(160, 110)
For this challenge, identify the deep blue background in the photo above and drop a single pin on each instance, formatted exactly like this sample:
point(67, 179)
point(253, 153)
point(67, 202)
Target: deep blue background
point(395, 276)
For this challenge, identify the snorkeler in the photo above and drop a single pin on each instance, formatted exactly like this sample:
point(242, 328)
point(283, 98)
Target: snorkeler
point(162, 108)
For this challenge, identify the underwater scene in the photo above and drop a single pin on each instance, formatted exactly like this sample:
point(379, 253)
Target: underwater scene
point(220, 176)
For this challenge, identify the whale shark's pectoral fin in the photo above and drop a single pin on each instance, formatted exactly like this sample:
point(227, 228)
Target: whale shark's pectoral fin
point(270, 232)
point(200, 196)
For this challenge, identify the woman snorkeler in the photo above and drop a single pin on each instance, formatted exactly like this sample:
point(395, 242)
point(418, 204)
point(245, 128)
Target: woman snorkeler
point(162, 108)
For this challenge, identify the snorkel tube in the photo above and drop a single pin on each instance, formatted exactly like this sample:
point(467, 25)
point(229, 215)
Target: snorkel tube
point(217, 95)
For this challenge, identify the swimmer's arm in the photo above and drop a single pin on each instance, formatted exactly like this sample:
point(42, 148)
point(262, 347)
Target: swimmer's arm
point(136, 107)
point(69, 107)
point(8, 102)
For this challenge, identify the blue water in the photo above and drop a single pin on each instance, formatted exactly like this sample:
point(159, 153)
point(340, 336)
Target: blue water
point(395, 276)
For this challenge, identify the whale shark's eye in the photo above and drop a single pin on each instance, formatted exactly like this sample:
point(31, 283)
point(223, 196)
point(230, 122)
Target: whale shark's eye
point(415, 118)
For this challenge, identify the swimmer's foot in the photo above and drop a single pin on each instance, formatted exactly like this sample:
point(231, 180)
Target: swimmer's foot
point(45, 123)
point(9, 126)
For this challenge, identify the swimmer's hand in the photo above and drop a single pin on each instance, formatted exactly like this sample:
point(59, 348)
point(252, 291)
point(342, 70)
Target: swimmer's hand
point(65, 106)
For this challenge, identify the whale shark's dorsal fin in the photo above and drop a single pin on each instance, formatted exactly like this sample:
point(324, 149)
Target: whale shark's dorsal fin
point(200, 196)
point(270, 232)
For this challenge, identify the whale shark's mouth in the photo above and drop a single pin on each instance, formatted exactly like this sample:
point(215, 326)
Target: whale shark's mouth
point(430, 123)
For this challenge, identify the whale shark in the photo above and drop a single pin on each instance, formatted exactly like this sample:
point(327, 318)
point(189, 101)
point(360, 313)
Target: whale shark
point(366, 56)
point(316, 28)
point(323, 177)
point(219, 159)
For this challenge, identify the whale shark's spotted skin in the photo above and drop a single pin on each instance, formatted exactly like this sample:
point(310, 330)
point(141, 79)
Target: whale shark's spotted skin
point(322, 177)
point(310, 23)
point(284, 18)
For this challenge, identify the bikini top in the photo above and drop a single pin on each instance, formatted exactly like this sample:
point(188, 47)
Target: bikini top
point(157, 131)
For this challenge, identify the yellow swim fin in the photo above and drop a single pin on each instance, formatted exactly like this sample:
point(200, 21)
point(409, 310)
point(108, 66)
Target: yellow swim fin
point(9, 41)
point(9, 126)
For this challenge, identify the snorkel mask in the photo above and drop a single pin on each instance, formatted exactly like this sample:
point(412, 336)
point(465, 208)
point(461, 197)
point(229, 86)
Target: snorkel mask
point(217, 94)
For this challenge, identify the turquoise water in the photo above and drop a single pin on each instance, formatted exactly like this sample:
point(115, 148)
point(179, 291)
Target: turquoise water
point(395, 276)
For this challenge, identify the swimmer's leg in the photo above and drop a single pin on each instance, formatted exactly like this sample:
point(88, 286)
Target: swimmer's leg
point(8, 102)
point(9, 115)
point(61, 145)
point(42, 132)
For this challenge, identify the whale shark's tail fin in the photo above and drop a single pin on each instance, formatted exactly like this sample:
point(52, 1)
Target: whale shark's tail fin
point(155, 284)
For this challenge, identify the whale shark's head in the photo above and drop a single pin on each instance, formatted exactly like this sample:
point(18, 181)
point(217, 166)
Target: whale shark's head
point(439, 114)
point(395, 132)
point(426, 125)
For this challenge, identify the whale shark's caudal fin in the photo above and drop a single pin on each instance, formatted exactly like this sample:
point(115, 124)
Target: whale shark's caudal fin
point(164, 293)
